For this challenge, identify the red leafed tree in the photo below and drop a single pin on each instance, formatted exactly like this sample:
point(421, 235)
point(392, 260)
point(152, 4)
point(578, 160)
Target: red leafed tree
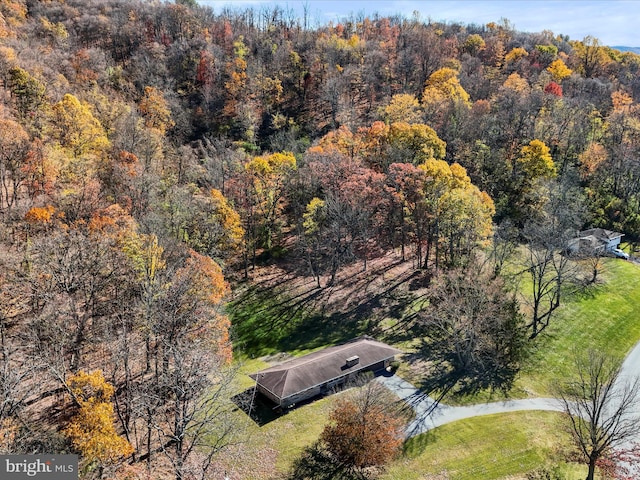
point(618, 464)
point(554, 89)
point(364, 192)
point(364, 430)
point(204, 73)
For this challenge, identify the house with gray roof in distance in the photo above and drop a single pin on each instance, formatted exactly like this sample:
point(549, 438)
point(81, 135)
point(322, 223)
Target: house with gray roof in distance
point(318, 373)
point(595, 241)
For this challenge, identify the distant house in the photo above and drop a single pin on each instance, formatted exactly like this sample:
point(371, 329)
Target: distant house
point(595, 240)
point(319, 372)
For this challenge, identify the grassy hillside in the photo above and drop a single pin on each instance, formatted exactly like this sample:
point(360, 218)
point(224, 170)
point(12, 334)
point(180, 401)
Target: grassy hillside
point(487, 448)
point(604, 318)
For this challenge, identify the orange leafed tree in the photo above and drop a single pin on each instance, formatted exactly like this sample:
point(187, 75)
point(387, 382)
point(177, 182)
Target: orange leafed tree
point(206, 287)
point(591, 159)
point(39, 215)
point(364, 431)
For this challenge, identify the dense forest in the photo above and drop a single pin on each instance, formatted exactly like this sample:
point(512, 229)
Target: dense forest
point(152, 154)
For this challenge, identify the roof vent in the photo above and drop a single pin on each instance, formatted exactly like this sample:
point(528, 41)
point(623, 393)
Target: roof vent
point(351, 361)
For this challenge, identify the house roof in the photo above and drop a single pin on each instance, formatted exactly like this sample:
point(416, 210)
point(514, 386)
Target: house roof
point(600, 233)
point(317, 368)
point(590, 241)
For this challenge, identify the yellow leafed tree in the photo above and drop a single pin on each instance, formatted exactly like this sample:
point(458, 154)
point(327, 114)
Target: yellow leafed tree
point(517, 83)
point(463, 212)
point(91, 429)
point(403, 108)
point(416, 143)
point(516, 54)
point(559, 70)
point(76, 129)
point(535, 161)
point(442, 86)
point(155, 110)
point(229, 220)
point(268, 174)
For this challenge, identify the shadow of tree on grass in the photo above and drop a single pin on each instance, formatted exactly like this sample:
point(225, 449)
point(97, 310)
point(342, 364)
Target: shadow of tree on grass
point(316, 463)
point(274, 318)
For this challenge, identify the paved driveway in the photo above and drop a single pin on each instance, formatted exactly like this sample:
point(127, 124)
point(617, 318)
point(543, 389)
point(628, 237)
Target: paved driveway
point(430, 414)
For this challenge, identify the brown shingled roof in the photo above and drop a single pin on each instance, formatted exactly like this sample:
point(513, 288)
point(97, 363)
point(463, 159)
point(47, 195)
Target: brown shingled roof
point(320, 367)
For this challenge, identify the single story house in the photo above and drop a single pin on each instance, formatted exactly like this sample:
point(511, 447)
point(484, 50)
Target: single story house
point(595, 240)
point(319, 372)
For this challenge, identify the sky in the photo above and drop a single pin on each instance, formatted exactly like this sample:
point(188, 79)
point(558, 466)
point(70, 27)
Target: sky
point(613, 22)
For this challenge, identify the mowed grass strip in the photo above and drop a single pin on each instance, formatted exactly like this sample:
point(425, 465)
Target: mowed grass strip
point(485, 448)
point(606, 318)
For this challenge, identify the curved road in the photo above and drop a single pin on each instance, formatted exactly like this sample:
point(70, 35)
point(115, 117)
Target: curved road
point(430, 415)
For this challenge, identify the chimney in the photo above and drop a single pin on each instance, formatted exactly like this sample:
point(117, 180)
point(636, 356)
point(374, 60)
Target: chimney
point(351, 361)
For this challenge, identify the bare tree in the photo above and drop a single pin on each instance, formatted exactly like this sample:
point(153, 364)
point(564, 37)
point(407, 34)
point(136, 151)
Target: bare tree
point(473, 332)
point(601, 405)
point(77, 281)
point(503, 246)
point(184, 400)
point(15, 369)
point(196, 421)
point(552, 272)
point(15, 372)
point(592, 260)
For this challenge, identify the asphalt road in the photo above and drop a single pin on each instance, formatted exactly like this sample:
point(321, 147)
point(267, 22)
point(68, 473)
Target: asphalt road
point(430, 414)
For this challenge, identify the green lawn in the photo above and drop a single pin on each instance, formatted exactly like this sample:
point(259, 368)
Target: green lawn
point(271, 321)
point(279, 442)
point(494, 447)
point(605, 318)
point(481, 448)
point(486, 448)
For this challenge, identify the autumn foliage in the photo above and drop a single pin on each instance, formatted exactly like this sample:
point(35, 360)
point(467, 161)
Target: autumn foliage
point(39, 215)
point(91, 430)
point(554, 89)
point(364, 431)
point(153, 155)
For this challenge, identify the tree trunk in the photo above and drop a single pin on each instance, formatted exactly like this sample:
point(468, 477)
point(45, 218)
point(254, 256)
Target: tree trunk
point(148, 437)
point(592, 469)
point(246, 262)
